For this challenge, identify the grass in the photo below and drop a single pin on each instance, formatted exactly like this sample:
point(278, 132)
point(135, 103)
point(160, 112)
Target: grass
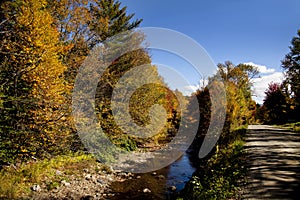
point(296, 127)
point(15, 182)
point(291, 126)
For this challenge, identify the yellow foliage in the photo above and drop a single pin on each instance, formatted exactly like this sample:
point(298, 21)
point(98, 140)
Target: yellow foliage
point(34, 53)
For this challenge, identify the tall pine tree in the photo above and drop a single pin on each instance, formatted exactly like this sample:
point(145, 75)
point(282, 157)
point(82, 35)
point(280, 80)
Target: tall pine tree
point(291, 64)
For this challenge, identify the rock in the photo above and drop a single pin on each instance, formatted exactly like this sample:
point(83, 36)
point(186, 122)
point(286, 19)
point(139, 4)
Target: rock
point(138, 177)
point(88, 177)
point(146, 190)
point(36, 188)
point(94, 179)
point(58, 173)
point(161, 177)
point(122, 174)
point(154, 173)
point(100, 181)
point(110, 179)
point(117, 171)
point(173, 188)
point(65, 183)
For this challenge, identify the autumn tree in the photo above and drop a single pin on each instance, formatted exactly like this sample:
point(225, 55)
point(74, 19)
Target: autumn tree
point(84, 24)
point(276, 104)
point(108, 19)
point(240, 108)
point(151, 91)
point(43, 45)
point(33, 116)
point(237, 80)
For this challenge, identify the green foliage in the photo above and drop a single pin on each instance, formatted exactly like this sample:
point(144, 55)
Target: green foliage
point(204, 108)
point(281, 103)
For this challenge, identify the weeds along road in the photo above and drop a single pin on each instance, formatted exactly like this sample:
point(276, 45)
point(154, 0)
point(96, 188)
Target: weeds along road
point(273, 161)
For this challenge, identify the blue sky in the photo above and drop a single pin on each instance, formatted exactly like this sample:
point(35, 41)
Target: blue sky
point(254, 31)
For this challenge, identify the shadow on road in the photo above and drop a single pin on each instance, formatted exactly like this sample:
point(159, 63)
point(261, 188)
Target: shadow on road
point(273, 161)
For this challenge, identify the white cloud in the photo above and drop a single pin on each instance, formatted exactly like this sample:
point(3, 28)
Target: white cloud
point(189, 89)
point(261, 84)
point(261, 68)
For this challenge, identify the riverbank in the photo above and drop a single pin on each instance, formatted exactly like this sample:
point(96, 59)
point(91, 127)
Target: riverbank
point(80, 176)
point(74, 176)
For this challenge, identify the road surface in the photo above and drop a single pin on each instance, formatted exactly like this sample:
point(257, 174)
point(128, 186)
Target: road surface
point(273, 160)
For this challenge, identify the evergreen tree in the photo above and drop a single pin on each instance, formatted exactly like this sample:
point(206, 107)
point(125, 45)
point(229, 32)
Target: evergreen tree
point(108, 18)
point(291, 64)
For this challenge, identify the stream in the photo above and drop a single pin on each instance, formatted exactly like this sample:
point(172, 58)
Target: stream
point(160, 184)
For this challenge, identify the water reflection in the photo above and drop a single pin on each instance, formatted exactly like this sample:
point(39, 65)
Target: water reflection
point(180, 172)
point(162, 183)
